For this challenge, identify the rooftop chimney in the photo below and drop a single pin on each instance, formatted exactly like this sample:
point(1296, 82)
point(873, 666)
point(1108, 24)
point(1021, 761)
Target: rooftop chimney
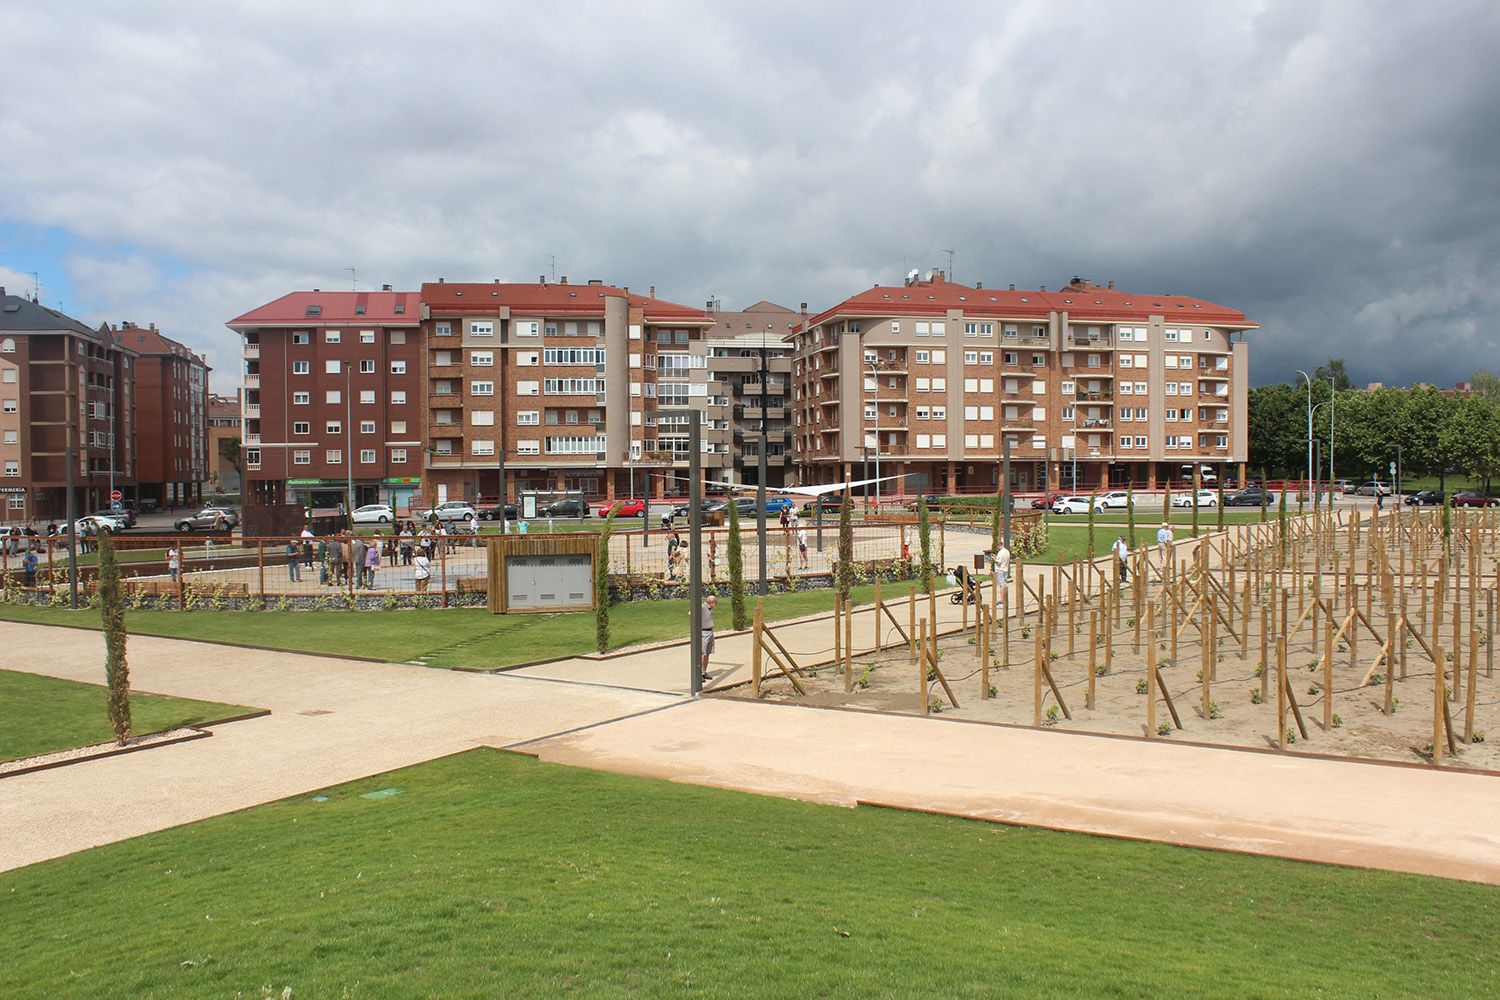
point(652, 292)
point(385, 288)
point(596, 281)
point(804, 308)
point(541, 279)
point(978, 285)
point(1111, 282)
point(1041, 288)
point(1012, 286)
point(564, 280)
point(441, 280)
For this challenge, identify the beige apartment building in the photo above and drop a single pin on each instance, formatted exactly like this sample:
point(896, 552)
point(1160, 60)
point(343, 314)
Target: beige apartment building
point(933, 376)
point(575, 386)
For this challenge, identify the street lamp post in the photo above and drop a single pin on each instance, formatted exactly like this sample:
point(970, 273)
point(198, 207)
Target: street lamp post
point(349, 437)
point(1308, 379)
point(1333, 392)
point(760, 489)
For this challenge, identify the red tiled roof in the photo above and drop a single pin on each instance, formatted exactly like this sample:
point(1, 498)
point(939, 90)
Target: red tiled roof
point(335, 309)
point(149, 340)
point(1110, 304)
point(549, 300)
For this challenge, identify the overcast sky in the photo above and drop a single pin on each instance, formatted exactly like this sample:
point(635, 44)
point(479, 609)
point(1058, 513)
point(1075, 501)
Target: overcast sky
point(1330, 168)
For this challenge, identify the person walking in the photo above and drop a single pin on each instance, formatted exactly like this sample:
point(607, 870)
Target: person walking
point(1121, 549)
point(307, 546)
point(174, 562)
point(1164, 539)
point(674, 553)
point(29, 563)
point(421, 570)
point(706, 633)
point(323, 561)
point(293, 567)
point(357, 560)
point(346, 561)
point(802, 548)
point(1000, 562)
point(372, 563)
point(786, 517)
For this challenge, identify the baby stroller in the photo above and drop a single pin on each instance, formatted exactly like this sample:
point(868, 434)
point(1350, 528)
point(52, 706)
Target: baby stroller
point(968, 588)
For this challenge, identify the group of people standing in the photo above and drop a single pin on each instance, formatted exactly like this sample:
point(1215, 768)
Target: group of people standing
point(355, 560)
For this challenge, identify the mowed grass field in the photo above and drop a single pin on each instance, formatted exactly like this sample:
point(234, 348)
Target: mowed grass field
point(43, 714)
point(488, 874)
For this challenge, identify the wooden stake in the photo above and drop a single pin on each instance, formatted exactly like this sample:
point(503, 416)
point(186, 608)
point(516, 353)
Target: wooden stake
point(1439, 705)
point(1469, 698)
point(756, 642)
point(838, 628)
point(1328, 670)
point(922, 693)
point(1036, 681)
point(849, 645)
point(911, 631)
point(983, 637)
point(1281, 692)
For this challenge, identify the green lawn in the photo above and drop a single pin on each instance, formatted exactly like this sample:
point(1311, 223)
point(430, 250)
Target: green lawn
point(492, 875)
point(458, 637)
point(43, 714)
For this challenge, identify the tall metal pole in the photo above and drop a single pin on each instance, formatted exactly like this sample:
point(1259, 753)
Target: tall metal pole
point(1333, 392)
point(1005, 483)
point(72, 511)
point(1308, 378)
point(695, 545)
point(760, 489)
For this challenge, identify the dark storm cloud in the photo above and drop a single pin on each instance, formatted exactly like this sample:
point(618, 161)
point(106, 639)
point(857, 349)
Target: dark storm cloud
point(1327, 167)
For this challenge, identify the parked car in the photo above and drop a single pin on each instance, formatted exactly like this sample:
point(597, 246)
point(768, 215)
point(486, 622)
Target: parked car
point(931, 499)
point(208, 517)
point(1071, 505)
point(1344, 486)
point(1113, 500)
point(705, 504)
point(1205, 498)
point(567, 507)
point(451, 511)
point(1250, 496)
point(374, 513)
point(1469, 498)
point(489, 510)
point(1373, 489)
point(623, 508)
point(1426, 498)
point(830, 502)
point(107, 521)
point(125, 516)
point(775, 505)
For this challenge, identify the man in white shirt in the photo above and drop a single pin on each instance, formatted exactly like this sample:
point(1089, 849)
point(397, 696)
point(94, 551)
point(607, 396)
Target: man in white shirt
point(1164, 538)
point(1121, 549)
point(1000, 560)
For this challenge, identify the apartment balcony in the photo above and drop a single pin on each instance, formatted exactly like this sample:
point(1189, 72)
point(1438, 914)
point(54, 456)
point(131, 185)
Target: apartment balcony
point(252, 381)
point(252, 351)
point(250, 411)
point(1083, 342)
point(1217, 388)
point(251, 439)
point(1095, 395)
point(828, 373)
point(1093, 423)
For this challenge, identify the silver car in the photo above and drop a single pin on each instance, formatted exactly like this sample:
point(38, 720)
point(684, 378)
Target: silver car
point(208, 517)
point(452, 510)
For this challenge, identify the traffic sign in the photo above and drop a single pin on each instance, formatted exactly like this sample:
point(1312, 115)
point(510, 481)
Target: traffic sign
point(1393, 468)
point(116, 505)
point(116, 495)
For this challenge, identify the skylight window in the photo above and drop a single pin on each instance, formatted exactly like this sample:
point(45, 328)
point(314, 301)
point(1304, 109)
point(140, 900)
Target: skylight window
point(314, 310)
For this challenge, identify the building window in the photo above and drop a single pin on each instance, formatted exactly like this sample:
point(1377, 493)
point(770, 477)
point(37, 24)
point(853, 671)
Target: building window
point(252, 458)
point(527, 417)
point(332, 367)
point(301, 427)
point(301, 368)
point(367, 395)
point(367, 367)
point(481, 329)
point(398, 336)
point(527, 328)
point(302, 457)
point(398, 367)
point(334, 456)
point(11, 406)
point(333, 396)
point(398, 456)
point(330, 336)
point(301, 398)
point(301, 338)
point(367, 456)
point(482, 388)
point(482, 418)
point(367, 427)
point(398, 397)
point(528, 388)
point(1140, 442)
point(986, 357)
point(442, 330)
point(334, 427)
point(528, 447)
point(367, 336)
point(12, 467)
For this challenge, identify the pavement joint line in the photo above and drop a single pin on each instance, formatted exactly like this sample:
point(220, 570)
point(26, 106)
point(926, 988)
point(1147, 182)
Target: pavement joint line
point(512, 675)
point(596, 725)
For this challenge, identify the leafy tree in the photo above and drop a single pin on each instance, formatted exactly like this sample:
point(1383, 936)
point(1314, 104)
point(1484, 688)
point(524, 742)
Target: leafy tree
point(1264, 481)
point(844, 578)
point(601, 583)
point(1221, 503)
point(1093, 498)
point(736, 558)
point(1334, 370)
point(232, 452)
point(1486, 386)
point(924, 538)
point(112, 613)
point(1130, 511)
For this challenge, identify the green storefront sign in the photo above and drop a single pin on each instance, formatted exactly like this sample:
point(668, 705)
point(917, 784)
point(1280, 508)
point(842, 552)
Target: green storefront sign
point(403, 481)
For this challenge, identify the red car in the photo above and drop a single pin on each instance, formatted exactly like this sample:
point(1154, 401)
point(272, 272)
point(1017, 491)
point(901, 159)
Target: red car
point(1471, 499)
point(623, 508)
point(1046, 502)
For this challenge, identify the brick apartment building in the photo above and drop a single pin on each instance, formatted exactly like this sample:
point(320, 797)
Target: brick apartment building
point(735, 345)
point(62, 385)
point(171, 416)
point(568, 383)
point(1132, 388)
point(333, 392)
point(224, 422)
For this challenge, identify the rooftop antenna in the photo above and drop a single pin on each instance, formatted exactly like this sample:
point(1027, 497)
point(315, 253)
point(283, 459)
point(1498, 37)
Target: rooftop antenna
point(353, 279)
point(36, 286)
point(950, 263)
point(553, 258)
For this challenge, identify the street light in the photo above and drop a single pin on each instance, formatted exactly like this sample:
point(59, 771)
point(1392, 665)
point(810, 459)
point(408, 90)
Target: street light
point(349, 436)
point(1308, 378)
